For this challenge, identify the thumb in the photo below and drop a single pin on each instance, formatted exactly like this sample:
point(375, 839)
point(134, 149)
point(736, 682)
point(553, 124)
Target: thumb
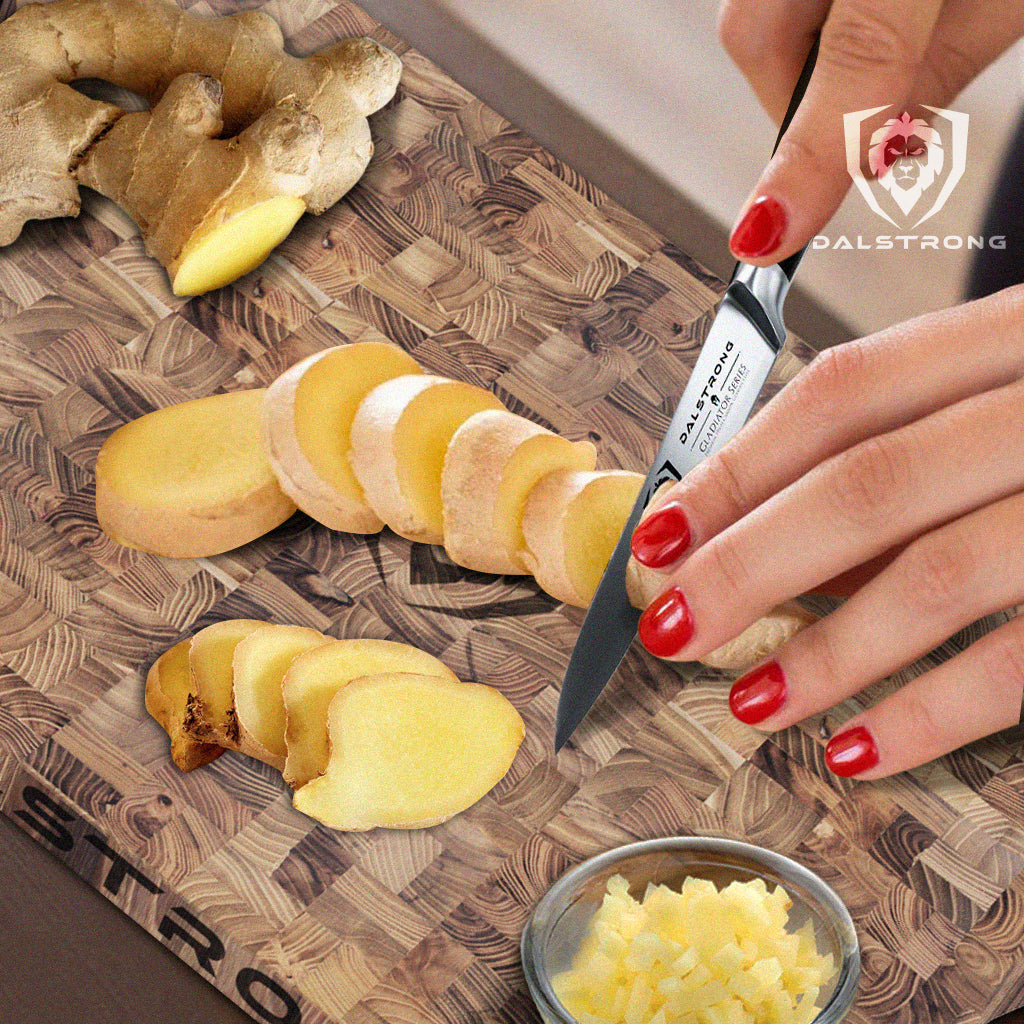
point(869, 56)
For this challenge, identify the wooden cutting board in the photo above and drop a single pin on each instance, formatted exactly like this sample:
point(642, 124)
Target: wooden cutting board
point(490, 261)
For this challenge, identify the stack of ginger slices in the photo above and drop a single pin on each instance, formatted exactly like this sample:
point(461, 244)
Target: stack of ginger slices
point(360, 437)
point(369, 733)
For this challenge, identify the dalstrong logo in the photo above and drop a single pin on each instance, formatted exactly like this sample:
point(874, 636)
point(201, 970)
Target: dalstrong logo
point(906, 163)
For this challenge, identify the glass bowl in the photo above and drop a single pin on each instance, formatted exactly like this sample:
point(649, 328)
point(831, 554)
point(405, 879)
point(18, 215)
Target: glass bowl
point(560, 919)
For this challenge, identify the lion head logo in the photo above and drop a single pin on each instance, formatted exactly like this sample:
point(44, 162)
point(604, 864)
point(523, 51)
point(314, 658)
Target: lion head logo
point(912, 162)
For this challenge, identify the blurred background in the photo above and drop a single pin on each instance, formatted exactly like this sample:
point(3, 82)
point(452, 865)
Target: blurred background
point(640, 98)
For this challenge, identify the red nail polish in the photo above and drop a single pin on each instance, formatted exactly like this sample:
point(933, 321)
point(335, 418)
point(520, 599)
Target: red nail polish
point(666, 625)
point(759, 694)
point(760, 229)
point(662, 537)
point(851, 752)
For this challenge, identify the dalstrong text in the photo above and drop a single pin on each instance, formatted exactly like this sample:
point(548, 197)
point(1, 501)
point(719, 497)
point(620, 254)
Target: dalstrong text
point(907, 243)
point(708, 394)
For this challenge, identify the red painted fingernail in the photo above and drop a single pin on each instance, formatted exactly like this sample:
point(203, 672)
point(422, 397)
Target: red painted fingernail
point(851, 752)
point(760, 229)
point(666, 625)
point(662, 537)
point(759, 694)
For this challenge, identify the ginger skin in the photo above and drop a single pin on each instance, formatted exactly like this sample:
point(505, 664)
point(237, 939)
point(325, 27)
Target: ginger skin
point(48, 130)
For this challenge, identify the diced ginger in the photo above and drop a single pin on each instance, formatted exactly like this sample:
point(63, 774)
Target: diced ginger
point(210, 713)
point(571, 523)
point(313, 679)
point(399, 438)
point(306, 426)
point(410, 751)
point(726, 972)
point(258, 666)
point(493, 462)
point(190, 480)
point(168, 684)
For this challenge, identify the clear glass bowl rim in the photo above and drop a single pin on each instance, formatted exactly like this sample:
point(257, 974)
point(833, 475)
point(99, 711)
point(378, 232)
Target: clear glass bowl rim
point(828, 903)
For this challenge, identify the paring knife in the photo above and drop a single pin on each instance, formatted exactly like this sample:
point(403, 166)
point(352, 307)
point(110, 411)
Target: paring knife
point(734, 362)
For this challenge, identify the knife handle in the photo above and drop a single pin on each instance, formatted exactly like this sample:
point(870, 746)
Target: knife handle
point(790, 263)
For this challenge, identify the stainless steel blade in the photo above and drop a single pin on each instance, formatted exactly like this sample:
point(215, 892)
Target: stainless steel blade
point(733, 364)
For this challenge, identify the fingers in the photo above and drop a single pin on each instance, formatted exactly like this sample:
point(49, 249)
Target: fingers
point(870, 55)
point(942, 582)
point(848, 394)
point(972, 695)
point(853, 507)
point(968, 36)
point(768, 41)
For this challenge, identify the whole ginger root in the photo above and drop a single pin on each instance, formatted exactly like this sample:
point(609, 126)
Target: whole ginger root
point(269, 99)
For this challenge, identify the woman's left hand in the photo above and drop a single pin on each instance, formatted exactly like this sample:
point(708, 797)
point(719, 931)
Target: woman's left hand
point(891, 468)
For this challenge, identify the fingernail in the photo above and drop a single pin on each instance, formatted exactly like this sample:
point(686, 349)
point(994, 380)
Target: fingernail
point(759, 694)
point(851, 752)
point(666, 625)
point(662, 537)
point(759, 230)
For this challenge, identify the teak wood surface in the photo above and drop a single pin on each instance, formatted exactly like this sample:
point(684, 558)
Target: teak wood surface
point(490, 261)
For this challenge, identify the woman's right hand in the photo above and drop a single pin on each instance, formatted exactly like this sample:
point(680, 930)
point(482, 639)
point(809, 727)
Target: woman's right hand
point(873, 53)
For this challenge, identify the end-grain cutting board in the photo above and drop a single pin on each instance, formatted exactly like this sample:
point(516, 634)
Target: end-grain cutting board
point(490, 261)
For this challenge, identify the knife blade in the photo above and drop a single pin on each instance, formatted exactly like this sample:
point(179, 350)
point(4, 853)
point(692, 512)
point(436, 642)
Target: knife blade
point(734, 362)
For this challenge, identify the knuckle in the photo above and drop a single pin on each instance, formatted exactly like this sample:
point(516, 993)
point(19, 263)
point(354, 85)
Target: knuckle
point(727, 563)
point(865, 485)
point(1002, 658)
point(727, 479)
point(831, 378)
point(864, 35)
point(736, 32)
point(930, 731)
point(937, 573)
point(950, 68)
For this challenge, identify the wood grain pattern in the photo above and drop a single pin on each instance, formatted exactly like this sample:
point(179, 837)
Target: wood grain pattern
point(492, 261)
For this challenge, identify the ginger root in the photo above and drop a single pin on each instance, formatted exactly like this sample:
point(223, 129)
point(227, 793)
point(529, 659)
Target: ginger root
point(207, 208)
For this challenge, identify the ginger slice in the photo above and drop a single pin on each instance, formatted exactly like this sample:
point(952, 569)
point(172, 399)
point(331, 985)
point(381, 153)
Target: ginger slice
point(190, 480)
point(258, 666)
point(210, 711)
point(400, 435)
point(493, 462)
point(168, 684)
point(571, 523)
point(306, 424)
point(315, 677)
point(410, 751)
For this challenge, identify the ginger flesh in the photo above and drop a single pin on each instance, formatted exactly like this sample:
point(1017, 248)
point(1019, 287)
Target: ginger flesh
point(235, 124)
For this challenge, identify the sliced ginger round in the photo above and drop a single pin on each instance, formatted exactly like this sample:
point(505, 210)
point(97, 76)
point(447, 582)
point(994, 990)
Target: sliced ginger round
point(315, 677)
point(493, 462)
point(400, 435)
point(190, 480)
point(168, 684)
point(258, 665)
point(210, 712)
point(410, 751)
point(306, 425)
point(571, 524)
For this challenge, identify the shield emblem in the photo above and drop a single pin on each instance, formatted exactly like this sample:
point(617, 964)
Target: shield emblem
point(906, 163)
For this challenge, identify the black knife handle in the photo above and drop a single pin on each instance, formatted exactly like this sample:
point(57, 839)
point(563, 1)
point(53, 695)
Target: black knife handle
point(790, 263)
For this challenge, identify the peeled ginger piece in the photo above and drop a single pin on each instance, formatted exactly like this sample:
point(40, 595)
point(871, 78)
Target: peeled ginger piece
point(258, 665)
point(571, 524)
point(313, 679)
point(306, 425)
point(400, 435)
point(410, 751)
point(210, 714)
point(493, 462)
point(190, 480)
point(168, 684)
point(760, 640)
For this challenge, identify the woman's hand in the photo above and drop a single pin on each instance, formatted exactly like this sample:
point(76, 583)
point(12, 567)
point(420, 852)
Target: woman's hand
point(894, 464)
point(873, 53)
